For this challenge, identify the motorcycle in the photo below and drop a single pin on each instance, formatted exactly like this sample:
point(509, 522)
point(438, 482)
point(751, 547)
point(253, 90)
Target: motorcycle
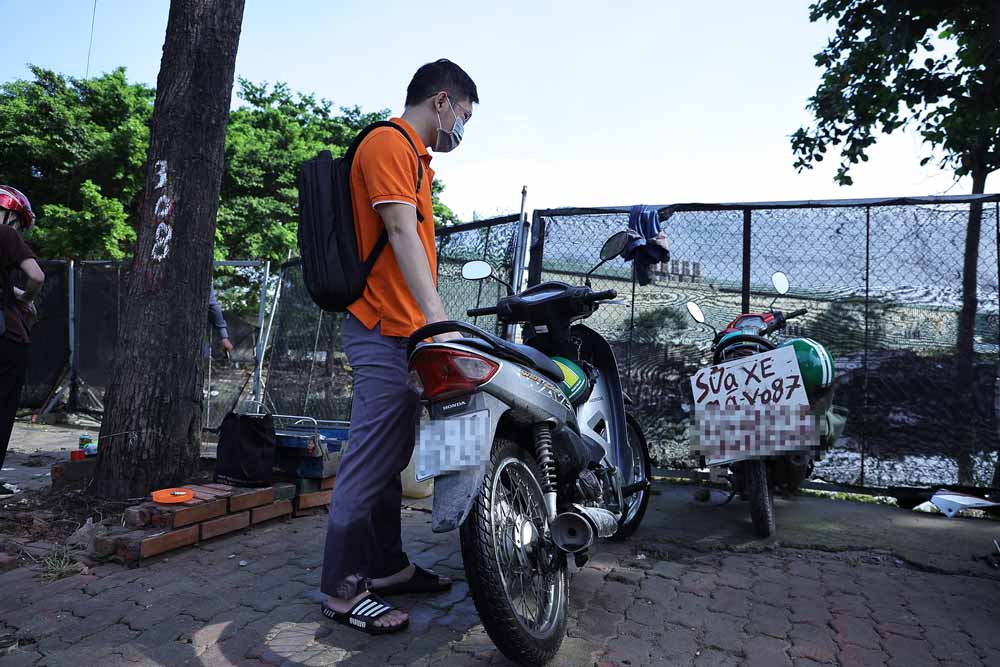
point(533, 455)
point(757, 479)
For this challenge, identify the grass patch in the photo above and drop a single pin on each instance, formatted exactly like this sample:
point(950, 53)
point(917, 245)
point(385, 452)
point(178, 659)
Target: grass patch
point(60, 563)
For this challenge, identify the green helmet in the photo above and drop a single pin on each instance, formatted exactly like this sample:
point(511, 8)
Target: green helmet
point(816, 365)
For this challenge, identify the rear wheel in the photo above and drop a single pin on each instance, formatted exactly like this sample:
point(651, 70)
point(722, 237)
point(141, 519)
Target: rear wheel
point(761, 498)
point(635, 504)
point(517, 576)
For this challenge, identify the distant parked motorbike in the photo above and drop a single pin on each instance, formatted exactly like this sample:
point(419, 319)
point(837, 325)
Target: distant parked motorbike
point(756, 479)
point(533, 454)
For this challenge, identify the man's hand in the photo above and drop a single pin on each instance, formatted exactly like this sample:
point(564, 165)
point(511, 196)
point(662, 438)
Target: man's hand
point(226, 345)
point(31, 313)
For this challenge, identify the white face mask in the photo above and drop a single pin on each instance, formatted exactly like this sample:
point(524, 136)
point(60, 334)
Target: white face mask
point(448, 140)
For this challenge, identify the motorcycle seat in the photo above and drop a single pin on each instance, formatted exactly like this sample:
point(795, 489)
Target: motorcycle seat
point(518, 353)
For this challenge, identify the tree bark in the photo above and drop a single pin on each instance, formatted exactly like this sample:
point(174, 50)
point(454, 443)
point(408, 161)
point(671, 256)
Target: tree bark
point(151, 433)
point(966, 372)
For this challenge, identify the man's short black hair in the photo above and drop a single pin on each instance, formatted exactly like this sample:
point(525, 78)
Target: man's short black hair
point(440, 75)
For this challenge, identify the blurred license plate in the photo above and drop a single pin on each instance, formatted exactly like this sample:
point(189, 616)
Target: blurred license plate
point(450, 445)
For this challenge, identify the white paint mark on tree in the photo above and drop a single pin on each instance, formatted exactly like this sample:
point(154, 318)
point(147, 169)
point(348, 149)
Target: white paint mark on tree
point(164, 206)
point(160, 168)
point(161, 245)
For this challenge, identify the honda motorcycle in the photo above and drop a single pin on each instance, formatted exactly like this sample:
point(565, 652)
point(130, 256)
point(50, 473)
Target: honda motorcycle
point(533, 454)
point(756, 479)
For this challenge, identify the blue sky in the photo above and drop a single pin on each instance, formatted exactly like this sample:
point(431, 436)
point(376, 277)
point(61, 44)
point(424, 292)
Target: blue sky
point(586, 103)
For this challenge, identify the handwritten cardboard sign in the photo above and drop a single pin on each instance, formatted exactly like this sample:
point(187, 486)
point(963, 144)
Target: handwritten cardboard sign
point(752, 407)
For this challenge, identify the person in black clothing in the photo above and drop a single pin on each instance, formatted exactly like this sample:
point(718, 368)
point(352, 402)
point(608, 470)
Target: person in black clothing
point(17, 309)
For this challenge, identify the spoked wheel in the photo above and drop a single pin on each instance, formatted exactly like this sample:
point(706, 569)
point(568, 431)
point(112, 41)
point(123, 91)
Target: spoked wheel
point(517, 576)
point(761, 497)
point(639, 471)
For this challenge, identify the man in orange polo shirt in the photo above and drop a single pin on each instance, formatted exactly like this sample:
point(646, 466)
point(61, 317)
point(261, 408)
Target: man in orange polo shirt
point(364, 556)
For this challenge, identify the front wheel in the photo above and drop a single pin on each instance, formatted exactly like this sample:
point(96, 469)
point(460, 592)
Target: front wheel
point(516, 574)
point(761, 498)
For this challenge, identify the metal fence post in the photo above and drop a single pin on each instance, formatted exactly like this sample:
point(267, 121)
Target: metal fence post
point(520, 253)
point(261, 312)
point(866, 412)
point(745, 307)
point(537, 249)
point(74, 344)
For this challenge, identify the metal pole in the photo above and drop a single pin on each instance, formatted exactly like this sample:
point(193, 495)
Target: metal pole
point(312, 364)
point(261, 312)
point(73, 343)
point(866, 411)
point(996, 383)
point(537, 248)
point(517, 279)
point(631, 331)
point(267, 334)
point(745, 307)
point(520, 255)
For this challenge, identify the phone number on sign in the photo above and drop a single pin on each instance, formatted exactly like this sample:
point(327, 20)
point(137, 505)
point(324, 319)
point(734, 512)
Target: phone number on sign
point(728, 379)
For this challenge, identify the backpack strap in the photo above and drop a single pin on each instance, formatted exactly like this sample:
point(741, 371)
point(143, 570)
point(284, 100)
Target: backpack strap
point(383, 239)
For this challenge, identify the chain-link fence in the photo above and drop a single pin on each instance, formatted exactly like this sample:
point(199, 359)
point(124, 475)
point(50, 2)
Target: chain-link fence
point(308, 373)
point(882, 280)
point(73, 344)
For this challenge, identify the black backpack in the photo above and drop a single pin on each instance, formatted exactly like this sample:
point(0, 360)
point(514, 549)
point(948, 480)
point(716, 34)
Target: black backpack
point(332, 270)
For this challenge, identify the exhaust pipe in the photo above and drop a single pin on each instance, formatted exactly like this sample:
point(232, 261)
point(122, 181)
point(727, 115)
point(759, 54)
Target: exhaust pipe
point(575, 531)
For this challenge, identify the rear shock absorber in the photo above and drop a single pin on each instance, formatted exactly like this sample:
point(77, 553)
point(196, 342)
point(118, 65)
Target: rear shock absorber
point(543, 451)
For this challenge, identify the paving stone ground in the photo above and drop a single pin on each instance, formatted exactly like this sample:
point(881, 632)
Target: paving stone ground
point(654, 600)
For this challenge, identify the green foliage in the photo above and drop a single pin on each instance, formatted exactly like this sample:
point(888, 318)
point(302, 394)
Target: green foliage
point(77, 148)
point(269, 137)
point(927, 64)
point(655, 326)
point(443, 216)
point(841, 327)
point(98, 229)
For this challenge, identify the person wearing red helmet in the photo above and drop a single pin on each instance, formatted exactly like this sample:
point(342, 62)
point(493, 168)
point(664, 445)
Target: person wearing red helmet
point(17, 309)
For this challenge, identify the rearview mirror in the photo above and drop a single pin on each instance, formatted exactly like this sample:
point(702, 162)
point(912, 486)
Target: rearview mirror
point(695, 311)
point(477, 269)
point(780, 282)
point(614, 246)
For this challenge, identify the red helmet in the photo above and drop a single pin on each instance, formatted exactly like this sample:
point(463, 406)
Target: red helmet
point(14, 200)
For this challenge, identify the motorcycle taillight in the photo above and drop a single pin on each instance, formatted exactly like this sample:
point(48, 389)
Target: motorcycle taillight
point(444, 371)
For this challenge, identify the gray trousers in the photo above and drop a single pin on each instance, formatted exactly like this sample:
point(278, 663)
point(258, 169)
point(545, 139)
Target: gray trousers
point(363, 528)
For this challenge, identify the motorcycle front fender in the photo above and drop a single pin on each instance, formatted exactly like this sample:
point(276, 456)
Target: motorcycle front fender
point(454, 492)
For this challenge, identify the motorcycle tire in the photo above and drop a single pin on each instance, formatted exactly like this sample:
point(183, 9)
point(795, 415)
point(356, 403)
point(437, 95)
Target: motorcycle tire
point(761, 498)
point(482, 555)
point(640, 449)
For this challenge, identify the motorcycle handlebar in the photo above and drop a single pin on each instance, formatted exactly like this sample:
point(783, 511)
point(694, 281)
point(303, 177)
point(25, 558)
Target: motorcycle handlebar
point(476, 312)
point(606, 295)
point(780, 321)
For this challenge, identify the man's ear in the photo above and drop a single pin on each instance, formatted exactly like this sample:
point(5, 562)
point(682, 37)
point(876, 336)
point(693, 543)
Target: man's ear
point(440, 101)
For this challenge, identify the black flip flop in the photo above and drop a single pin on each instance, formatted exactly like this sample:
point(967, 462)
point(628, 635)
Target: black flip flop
point(364, 614)
point(421, 582)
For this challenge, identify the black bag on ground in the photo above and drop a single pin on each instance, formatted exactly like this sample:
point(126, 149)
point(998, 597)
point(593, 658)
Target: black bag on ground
point(333, 271)
point(245, 455)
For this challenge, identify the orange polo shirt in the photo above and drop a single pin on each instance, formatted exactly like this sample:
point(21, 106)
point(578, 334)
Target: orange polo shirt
point(384, 171)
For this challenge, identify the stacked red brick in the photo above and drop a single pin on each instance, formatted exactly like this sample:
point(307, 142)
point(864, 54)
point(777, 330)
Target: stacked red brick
point(216, 509)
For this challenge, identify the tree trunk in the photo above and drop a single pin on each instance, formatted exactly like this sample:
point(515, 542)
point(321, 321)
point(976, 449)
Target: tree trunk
point(966, 372)
point(151, 434)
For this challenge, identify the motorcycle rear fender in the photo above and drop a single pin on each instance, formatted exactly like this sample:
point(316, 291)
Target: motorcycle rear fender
point(455, 492)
